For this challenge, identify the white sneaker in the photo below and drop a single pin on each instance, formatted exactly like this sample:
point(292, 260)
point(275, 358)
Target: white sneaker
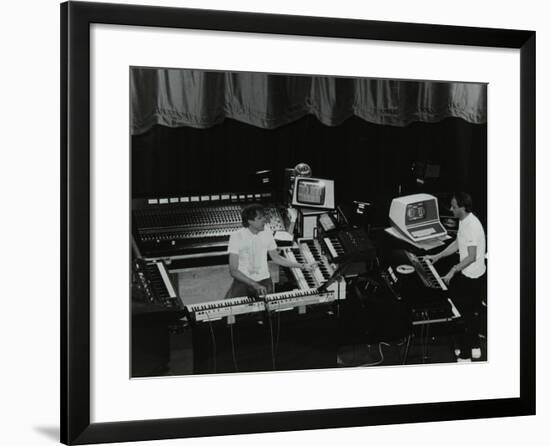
point(476, 353)
point(463, 360)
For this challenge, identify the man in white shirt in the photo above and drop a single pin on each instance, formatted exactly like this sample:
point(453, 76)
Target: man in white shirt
point(468, 276)
point(248, 249)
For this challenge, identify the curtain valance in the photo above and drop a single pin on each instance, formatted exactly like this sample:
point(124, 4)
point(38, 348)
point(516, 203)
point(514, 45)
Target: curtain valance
point(202, 99)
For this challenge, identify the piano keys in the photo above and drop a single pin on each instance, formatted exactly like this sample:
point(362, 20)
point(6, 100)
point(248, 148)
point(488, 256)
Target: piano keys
point(298, 299)
point(310, 251)
point(325, 268)
point(304, 279)
point(156, 285)
point(426, 271)
point(423, 290)
point(348, 243)
point(238, 306)
point(218, 309)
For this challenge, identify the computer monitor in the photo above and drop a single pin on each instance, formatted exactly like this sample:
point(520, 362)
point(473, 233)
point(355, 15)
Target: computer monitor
point(313, 193)
point(417, 217)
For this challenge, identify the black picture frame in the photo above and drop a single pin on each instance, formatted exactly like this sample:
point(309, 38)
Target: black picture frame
point(76, 19)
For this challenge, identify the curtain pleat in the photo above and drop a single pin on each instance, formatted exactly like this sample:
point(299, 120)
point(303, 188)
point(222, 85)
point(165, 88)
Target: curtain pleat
point(202, 99)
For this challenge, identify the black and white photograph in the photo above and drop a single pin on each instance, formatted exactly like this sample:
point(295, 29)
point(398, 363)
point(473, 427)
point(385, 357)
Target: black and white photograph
point(292, 222)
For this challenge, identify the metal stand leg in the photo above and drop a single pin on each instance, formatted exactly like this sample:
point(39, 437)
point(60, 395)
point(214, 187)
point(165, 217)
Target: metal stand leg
point(407, 345)
point(425, 344)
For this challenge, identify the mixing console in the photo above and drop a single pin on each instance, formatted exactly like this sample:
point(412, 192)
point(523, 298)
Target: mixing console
point(178, 216)
point(177, 230)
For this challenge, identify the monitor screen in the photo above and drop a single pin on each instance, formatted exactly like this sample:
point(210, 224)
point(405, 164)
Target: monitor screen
point(421, 211)
point(310, 191)
point(313, 192)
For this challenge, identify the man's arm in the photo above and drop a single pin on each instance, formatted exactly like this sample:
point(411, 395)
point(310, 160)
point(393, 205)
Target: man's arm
point(238, 275)
point(280, 260)
point(468, 260)
point(449, 250)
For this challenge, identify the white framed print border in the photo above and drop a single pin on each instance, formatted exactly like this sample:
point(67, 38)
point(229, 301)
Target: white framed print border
point(77, 279)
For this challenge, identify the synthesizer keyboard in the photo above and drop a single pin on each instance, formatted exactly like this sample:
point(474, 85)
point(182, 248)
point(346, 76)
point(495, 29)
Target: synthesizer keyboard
point(297, 299)
point(309, 251)
point(156, 285)
point(426, 271)
point(413, 280)
point(325, 268)
point(347, 243)
point(281, 301)
point(304, 279)
point(218, 309)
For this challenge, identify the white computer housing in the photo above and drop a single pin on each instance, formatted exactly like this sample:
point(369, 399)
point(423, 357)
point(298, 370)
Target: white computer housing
point(417, 217)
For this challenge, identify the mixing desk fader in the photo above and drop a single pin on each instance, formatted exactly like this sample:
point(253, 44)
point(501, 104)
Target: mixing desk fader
point(166, 229)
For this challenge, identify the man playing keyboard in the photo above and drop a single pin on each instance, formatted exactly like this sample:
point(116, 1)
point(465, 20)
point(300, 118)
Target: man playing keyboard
point(468, 276)
point(248, 249)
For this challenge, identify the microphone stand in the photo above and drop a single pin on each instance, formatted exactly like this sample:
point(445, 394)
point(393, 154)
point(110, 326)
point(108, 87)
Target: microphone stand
point(336, 276)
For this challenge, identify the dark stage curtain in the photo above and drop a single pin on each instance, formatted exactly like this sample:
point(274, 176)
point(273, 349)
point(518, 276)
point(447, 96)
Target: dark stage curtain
point(202, 99)
point(369, 162)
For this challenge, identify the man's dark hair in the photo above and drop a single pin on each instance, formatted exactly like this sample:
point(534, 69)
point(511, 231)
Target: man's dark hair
point(463, 199)
point(250, 212)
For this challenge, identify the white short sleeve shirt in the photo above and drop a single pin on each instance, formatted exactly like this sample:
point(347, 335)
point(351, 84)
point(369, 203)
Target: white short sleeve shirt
point(471, 233)
point(252, 250)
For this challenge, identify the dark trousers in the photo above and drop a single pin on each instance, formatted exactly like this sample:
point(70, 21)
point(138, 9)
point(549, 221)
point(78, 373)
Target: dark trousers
point(241, 289)
point(467, 295)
